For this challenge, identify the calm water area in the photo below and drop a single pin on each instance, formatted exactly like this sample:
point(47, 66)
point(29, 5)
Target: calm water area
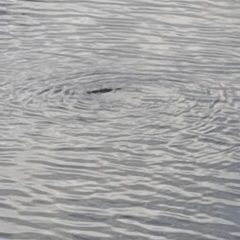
point(158, 158)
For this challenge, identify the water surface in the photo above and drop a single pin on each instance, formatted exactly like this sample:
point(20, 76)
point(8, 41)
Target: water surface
point(158, 159)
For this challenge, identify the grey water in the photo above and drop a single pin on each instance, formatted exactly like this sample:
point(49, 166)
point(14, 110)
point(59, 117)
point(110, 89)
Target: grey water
point(158, 158)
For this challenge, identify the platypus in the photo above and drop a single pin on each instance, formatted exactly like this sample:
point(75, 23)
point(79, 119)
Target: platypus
point(103, 90)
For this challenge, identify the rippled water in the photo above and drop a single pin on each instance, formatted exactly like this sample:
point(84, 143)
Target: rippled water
point(158, 159)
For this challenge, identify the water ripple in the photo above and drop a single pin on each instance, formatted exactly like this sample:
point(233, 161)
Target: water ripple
point(158, 159)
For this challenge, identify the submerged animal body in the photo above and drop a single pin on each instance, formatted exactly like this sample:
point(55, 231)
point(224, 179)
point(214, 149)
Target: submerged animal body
point(71, 92)
point(103, 90)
